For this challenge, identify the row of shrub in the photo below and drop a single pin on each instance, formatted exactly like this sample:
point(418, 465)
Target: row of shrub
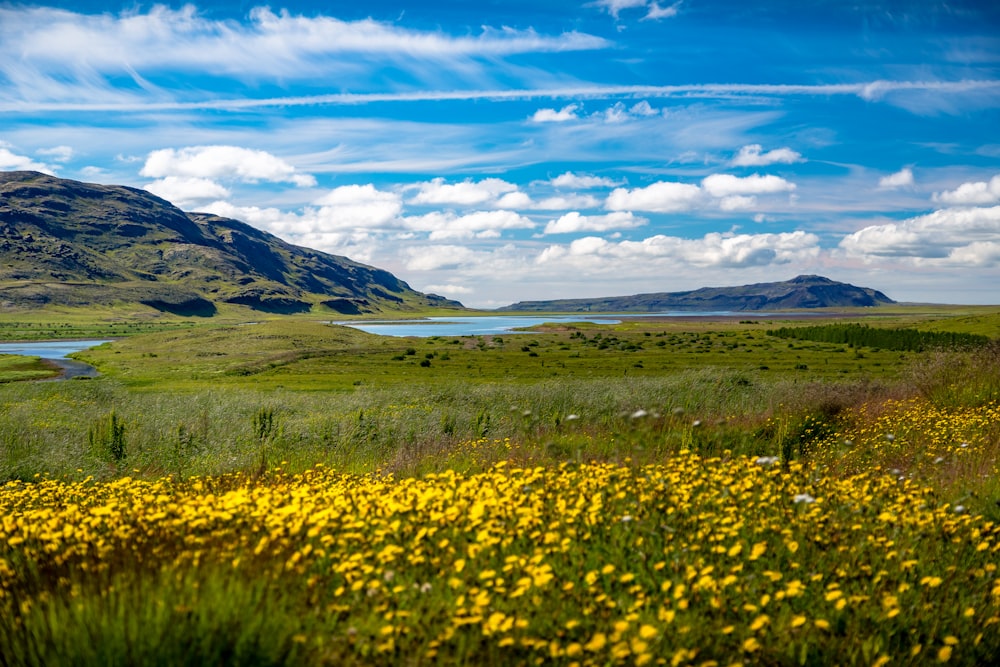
point(862, 335)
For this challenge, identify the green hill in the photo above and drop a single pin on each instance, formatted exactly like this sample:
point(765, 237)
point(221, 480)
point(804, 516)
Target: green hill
point(69, 243)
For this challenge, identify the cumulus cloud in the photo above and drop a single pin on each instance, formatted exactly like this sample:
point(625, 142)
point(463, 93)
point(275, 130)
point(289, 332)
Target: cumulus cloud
point(737, 203)
point(724, 185)
point(466, 193)
point(564, 202)
point(187, 193)
point(732, 192)
point(569, 180)
point(480, 224)
point(448, 290)
point(961, 236)
point(436, 257)
point(574, 222)
point(13, 162)
point(972, 194)
point(713, 250)
point(357, 207)
point(568, 112)
point(660, 197)
point(752, 155)
point(273, 220)
point(901, 179)
point(223, 162)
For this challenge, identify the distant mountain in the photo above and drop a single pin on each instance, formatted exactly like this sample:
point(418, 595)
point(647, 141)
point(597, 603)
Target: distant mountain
point(68, 243)
point(800, 292)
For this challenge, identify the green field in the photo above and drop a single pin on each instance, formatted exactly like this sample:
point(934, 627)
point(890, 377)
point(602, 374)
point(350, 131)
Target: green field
point(753, 497)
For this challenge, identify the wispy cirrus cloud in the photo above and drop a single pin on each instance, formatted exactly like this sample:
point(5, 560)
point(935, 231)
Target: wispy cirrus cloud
point(953, 90)
point(49, 55)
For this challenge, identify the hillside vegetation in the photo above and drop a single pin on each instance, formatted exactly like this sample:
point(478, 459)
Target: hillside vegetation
point(65, 243)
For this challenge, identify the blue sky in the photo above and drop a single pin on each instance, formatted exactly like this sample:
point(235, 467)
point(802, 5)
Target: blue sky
point(508, 150)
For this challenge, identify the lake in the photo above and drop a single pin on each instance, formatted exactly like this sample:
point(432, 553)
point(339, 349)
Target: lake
point(467, 326)
point(505, 324)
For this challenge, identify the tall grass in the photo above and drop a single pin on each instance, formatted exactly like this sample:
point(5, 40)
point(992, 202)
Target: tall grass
point(102, 429)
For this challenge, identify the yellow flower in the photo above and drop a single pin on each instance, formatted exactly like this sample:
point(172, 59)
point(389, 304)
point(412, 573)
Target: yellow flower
point(597, 642)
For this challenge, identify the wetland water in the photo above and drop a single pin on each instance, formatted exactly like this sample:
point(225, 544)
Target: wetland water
point(57, 351)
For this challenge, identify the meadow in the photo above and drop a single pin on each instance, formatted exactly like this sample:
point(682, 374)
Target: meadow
point(680, 492)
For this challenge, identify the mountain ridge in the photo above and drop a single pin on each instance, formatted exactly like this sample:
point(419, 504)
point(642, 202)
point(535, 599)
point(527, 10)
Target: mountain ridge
point(72, 243)
point(804, 291)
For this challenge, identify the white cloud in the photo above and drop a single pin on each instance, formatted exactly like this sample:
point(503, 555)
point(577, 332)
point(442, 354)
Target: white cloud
point(656, 12)
point(660, 197)
point(570, 180)
point(13, 162)
point(448, 290)
point(670, 197)
point(480, 224)
point(752, 155)
point(643, 108)
point(960, 236)
point(972, 194)
point(573, 222)
point(51, 53)
point(273, 220)
point(58, 153)
point(737, 203)
point(723, 185)
point(436, 257)
point(466, 193)
point(514, 200)
point(620, 113)
point(713, 250)
point(568, 112)
point(187, 193)
point(901, 179)
point(358, 207)
point(562, 203)
point(223, 162)
point(614, 7)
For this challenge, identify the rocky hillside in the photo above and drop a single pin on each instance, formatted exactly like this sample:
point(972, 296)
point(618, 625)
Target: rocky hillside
point(68, 243)
point(800, 292)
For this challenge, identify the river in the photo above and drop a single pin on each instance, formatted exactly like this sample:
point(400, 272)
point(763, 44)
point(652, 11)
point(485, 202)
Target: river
point(57, 352)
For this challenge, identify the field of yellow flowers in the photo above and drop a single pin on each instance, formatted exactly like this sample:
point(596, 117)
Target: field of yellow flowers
point(707, 561)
